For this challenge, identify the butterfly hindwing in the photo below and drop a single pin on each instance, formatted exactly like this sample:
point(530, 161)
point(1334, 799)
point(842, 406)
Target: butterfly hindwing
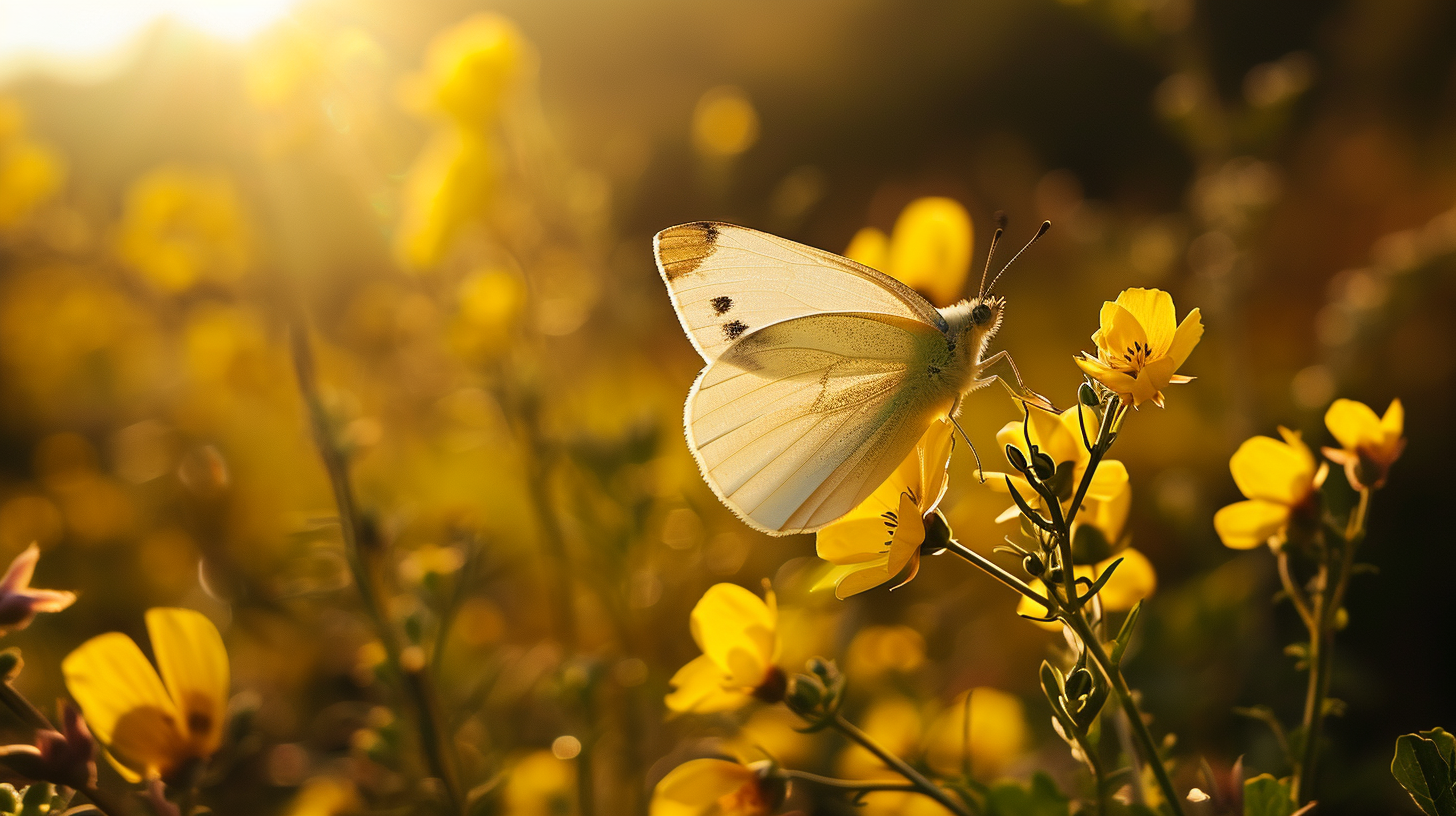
point(725, 281)
point(797, 422)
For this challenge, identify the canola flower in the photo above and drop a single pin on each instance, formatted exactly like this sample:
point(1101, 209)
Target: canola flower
point(928, 250)
point(155, 723)
point(1280, 481)
point(738, 633)
point(882, 537)
point(1141, 346)
point(1369, 444)
point(19, 602)
point(718, 787)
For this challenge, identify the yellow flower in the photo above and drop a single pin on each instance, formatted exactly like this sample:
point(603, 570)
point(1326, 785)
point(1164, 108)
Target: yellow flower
point(469, 71)
point(1109, 497)
point(1369, 445)
point(929, 250)
point(738, 634)
point(154, 727)
point(324, 796)
point(881, 538)
point(718, 787)
point(447, 188)
point(540, 784)
point(1140, 345)
point(879, 650)
point(182, 226)
point(1280, 480)
point(1134, 580)
point(998, 734)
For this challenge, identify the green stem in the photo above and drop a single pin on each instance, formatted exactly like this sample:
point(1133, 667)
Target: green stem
point(991, 568)
point(364, 551)
point(918, 781)
point(1330, 584)
point(1144, 738)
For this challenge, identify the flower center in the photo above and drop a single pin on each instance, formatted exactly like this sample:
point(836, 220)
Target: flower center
point(892, 519)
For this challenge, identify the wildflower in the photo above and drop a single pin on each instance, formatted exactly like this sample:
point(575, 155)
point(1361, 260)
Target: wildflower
point(470, 70)
point(1280, 480)
point(998, 733)
point(182, 226)
point(1369, 445)
point(738, 634)
point(929, 249)
point(881, 538)
point(1099, 525)
point(154, 727)
point(719, 787)
point(65, 757)
point(1134, 580)
point(19, 604)
point(1140, 346)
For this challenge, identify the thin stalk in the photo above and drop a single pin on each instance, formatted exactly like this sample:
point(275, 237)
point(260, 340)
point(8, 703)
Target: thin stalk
point(1144, 738)
point(1330, 585)
point(363, 551)
point(1296, 596)
point(23, 708)
point(995, 571)
point(921, 784)
point(850, 784)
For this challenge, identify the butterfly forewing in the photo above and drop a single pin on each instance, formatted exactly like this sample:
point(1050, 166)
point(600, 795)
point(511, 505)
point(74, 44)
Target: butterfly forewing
point(725, 281)
point(797, 422)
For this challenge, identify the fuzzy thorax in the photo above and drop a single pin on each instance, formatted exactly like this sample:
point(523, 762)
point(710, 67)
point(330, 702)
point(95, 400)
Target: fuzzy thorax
point(970, 325)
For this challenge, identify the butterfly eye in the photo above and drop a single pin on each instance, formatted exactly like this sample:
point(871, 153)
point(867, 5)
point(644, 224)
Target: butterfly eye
point(981, 314)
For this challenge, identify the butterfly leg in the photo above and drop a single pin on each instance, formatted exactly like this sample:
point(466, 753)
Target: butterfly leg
point(1002, 368)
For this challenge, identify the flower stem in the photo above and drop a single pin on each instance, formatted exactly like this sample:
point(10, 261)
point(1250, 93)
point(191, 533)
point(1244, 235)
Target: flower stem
point(363, 549)
point(1144, 738)
point(917, 780)
point(850, 784)
point(991, 568)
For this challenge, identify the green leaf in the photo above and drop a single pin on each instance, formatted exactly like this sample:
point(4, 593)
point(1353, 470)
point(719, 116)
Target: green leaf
point(1124, 635)
point(1422, 766)
point(1266, 796)
point(1041, 799)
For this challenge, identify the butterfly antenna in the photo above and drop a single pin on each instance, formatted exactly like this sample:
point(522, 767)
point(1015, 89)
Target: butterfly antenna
point(980, 471)
point(991, 253)
point(1045, 225)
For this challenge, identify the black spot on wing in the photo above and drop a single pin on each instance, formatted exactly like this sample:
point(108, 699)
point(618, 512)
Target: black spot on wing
point(681, 249)
point(722, 304)
point(734, 329)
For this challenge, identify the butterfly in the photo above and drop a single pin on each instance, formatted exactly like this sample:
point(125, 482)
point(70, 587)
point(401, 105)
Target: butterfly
point(822, 373)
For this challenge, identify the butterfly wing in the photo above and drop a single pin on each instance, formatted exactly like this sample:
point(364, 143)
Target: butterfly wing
point(726, 281)
point(797, 422)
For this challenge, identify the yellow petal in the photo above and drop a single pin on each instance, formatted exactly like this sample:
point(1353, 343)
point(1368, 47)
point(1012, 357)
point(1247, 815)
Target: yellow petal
point(1153, 310)
point(870, 247)
point(1267, 469)
point(1028, 608)
point(1123, 339)
point(1353, 423)
point(698, 784)
point(111, 679)
point(194, 665)
point(998, 733)
point(930, 248)
point(1109, 481)
point(1248, 524)
point(737, 631)
point(698, 687)
point(1116, 381)
point(1190, 331)
point(866, 577)
point(909, 535)
point(1393, 423)
point(934, 453)
point(854, 540)
point(1134, 580)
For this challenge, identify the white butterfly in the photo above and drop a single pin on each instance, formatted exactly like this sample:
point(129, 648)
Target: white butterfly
point(821, 374)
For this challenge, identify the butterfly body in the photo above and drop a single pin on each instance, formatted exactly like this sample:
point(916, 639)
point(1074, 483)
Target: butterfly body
point(821, 373)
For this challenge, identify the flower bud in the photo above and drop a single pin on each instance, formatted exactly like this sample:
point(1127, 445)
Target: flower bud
point(1033, 565)
point(1079, 683)
point(1087, 395)
point(1016, 458)
point(1042, 465)
point(804, 695)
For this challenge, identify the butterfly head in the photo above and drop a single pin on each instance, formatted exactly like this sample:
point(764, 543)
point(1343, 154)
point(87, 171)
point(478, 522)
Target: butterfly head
point(971, 323)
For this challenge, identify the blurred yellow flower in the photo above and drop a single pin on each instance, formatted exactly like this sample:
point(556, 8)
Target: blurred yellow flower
point(492, 303)
point(894, 721)
point(540, 784)
point(1140, 345)
point(1280, 480)
point(717, 787)
point(881, 538)
point(998, 733)
point(154, 727)
point(880, 650)
point(181, 226)
point(724, 122)
point(929, 249)
point(1109, 497)
point(448, 187)
point(1369, 444)
point(19, 604)
point(31, 173)
point(774, 731)
point(1134, 580)
point(469, 71)
point(738, 634)
point(325, 796)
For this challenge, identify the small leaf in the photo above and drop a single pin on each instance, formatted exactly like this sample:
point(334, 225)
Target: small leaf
point(1266, 796)
point(1424, 770)
point(1124, 635)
